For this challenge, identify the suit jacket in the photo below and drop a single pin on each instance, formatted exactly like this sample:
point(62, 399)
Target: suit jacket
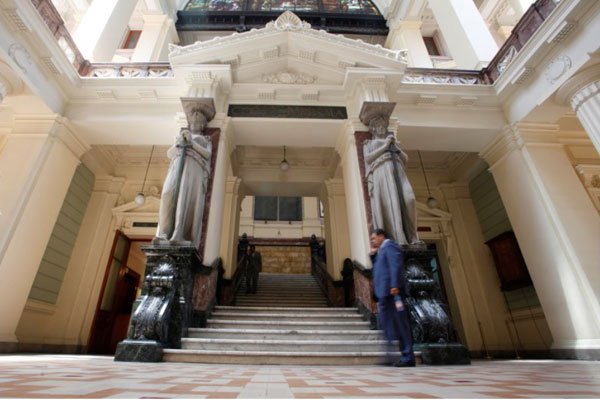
point(388, 270)
point(255, 261)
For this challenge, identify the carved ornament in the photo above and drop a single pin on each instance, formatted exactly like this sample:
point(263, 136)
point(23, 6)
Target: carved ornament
point(289, 78)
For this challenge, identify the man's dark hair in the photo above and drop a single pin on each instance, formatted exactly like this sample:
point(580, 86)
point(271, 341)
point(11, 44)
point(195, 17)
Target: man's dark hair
point(252, 247)
point(381, 232)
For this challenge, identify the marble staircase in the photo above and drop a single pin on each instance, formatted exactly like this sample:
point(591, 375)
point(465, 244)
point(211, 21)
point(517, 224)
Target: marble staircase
point(286, 321)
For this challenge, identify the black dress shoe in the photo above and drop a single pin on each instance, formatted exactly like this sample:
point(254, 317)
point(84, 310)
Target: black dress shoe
point(403, 364)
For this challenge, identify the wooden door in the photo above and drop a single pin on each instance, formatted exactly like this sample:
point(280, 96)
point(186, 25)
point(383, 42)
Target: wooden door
point(107, 310)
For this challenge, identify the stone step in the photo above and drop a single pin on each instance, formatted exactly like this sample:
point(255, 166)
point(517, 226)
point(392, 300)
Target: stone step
point(275, 299)
point(277, 302)
point(291, 346)
point(280, 291)
point(275, 296)
point(281, 303)
point(294, 316)
point(305, 325)
point(281, 334)
point(270, 310)
point(274, 357)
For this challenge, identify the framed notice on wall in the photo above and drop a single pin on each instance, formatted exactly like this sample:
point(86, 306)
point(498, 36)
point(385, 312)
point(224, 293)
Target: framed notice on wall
point(509, 261)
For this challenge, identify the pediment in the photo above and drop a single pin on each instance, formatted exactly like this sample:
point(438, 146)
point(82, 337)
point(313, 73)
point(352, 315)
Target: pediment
point(150, 206)
point(425, 213)
point(286, 46)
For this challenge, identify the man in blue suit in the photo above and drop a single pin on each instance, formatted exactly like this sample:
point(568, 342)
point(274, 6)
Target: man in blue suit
point(389, 285)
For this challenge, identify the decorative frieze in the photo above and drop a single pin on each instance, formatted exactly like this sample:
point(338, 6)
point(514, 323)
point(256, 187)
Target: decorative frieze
point(289, 78)
point(138, 70)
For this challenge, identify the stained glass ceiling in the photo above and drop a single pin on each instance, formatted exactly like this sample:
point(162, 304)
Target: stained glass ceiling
point(335, 16)
point(364, 7)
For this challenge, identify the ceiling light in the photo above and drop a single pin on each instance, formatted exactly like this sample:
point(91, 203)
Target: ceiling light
point(284, 165)
point(140, 197)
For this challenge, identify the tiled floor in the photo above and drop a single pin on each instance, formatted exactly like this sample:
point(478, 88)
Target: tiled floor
point(61, 376)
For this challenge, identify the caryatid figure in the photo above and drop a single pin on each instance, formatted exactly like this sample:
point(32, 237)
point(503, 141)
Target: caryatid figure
point(184, 190)
point(393, 203)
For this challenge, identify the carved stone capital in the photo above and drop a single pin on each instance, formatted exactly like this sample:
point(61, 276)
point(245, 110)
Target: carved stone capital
point(205, 104)
point(579, 88)
point(371, 109)
point(515, 136)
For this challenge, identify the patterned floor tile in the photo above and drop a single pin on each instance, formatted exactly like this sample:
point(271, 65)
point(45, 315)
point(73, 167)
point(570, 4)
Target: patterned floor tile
point(72, 376)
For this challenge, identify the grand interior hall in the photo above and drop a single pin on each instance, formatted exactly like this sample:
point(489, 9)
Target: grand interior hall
point(107, 106)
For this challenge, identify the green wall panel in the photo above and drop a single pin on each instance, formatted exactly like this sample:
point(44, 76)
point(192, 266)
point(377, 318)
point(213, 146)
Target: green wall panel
point(488, 205)
point(53, 266)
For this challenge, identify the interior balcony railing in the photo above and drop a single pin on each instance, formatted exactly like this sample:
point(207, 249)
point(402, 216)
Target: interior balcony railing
point(522, 32)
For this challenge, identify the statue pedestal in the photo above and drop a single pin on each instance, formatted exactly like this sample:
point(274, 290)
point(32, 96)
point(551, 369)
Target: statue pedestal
point(445, 354)
point(139, 351)
point(164, 311)
point(432, 328)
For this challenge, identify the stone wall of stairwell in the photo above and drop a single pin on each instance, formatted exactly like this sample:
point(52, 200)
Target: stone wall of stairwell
point(281, 259)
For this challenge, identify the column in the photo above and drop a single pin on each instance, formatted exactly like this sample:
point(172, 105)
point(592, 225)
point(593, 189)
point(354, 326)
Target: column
point(37, 164)
point(216, 208)
point(102, 28)
point(557, 228)
point(311, 223)
point(468, 37)
point(10, 83)
point(337, 241)
point(474, 275)
point(232, 203)
point(407, 35)
point(582, 92)
point(158, 31)
point(520, 6)
point(353, 193)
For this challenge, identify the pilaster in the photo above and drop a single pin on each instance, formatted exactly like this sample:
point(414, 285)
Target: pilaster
point(464, 29)
point(219, 189)
point(232, 202)
point(102, 27)
point(353, 192)
point(482, 305)
point(157, 33)
point(337, 242)
point(557, 228)
point(41, 154)
point(406, 34)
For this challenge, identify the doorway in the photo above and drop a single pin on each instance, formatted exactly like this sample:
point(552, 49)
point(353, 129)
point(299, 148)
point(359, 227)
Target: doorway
point(120, 287)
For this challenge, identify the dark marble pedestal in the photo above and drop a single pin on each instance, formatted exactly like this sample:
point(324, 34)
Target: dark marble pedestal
point(164, 311)
point(139, 350)
point(445, 354)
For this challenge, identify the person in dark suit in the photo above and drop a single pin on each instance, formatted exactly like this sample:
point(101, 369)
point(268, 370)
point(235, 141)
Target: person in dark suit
point(253, 267)
point(390, 287)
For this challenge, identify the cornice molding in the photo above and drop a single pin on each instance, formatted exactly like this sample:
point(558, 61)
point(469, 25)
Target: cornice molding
point(68, 136)
point(109, 184)
point(51, 125)
point(515, 136)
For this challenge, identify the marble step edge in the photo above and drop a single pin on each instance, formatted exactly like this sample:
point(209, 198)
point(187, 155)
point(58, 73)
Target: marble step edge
point(303, 309)
point(291, 323)
point(282, 341)
point(283, 315)
point(286, 331)
point(283, 353)
point(286, 301)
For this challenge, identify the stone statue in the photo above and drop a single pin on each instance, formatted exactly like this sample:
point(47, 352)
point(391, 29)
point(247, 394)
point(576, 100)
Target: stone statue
point(184, 190)
point(393, 203)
